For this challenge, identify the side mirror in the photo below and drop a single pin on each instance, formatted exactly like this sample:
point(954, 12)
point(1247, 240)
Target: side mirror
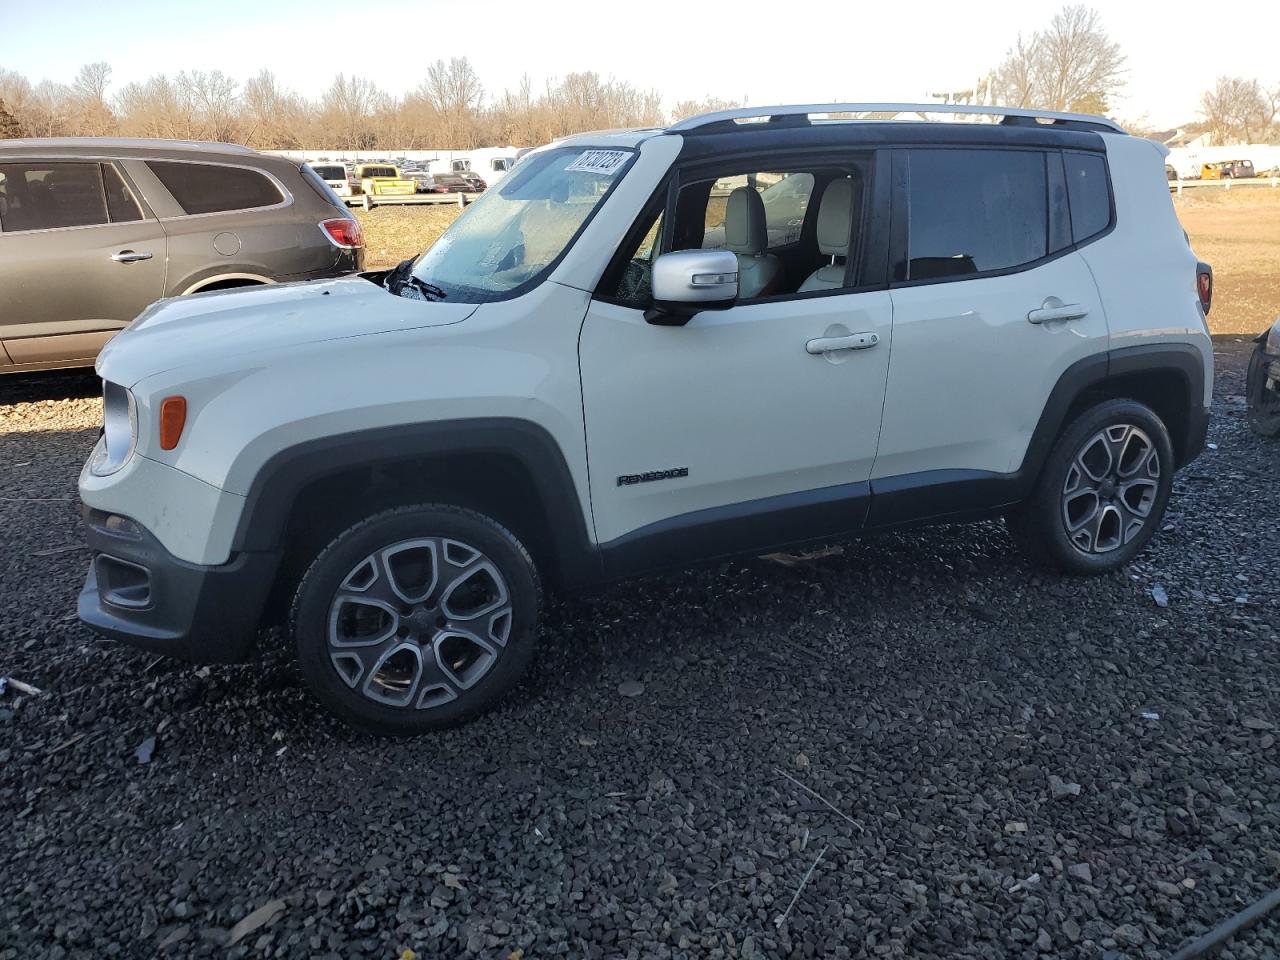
point(687, 281)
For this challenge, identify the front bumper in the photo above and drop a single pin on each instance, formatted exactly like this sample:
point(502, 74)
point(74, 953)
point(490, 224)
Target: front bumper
point(139, 593)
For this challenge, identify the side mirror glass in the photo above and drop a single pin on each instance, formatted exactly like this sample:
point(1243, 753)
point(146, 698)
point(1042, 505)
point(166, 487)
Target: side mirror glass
point(687, 281)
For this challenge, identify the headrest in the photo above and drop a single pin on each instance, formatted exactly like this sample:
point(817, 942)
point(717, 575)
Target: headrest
point(744, 226)
point(835, 218)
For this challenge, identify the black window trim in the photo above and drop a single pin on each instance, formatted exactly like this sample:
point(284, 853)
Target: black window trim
point(899, 235)
point(100, 162)
point(875, 212)
point(285, 194)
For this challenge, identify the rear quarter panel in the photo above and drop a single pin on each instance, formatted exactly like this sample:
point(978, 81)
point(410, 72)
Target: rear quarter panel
point(272, 243)
point(1145, 269)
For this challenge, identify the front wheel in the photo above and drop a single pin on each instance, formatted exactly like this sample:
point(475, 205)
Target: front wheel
point(1262, 397)
point(417, 618)
point(1102, 491)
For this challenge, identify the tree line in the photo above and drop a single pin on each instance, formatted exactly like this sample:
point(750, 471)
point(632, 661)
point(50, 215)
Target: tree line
point(449, 109)
point(1071, 64)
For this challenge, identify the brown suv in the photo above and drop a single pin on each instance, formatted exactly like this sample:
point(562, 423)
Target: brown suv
point(93, 230)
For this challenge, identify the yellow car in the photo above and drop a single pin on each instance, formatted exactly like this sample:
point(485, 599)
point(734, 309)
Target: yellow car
point(383, 180)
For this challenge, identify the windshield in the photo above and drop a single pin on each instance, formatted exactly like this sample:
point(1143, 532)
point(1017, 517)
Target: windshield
point(516, 230)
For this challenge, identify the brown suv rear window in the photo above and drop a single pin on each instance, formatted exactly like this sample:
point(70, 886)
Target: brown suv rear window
point(210, 188)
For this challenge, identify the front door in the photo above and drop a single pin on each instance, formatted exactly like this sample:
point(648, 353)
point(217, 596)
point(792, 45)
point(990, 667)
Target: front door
point(745, 428)
point(79, 259)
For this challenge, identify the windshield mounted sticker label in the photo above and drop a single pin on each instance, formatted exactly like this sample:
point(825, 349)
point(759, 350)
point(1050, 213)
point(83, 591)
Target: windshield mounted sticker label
point(605, 162)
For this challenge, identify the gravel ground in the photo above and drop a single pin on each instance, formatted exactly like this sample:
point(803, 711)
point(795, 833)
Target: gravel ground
point(1010, 764)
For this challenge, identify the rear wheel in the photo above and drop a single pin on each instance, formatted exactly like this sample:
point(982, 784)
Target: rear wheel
point(1264, 402)
point(416, 619)
point(1102, 492)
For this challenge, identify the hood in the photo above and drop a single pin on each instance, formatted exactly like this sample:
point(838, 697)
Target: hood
point(182, 330)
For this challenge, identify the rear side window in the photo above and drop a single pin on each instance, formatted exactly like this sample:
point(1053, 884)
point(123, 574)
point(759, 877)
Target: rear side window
point(1089, 194)
point(209, 188)
point(121, 205)
point(49, 195)
point(974, 211)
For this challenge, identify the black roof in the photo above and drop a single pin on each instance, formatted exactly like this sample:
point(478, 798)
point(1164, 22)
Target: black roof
point(717, 139)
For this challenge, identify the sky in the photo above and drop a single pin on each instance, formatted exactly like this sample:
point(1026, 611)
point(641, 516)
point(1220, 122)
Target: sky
point(765, 52)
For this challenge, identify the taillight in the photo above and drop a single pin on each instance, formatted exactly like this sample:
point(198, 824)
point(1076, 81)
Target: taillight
point(343, 232)
point(1204, 285)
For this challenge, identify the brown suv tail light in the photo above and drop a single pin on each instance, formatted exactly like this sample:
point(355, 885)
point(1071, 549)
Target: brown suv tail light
point(343, 232)
point(1204, 285)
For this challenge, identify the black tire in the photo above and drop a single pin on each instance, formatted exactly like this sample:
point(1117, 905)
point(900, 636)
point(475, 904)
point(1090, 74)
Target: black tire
point(1040, 525)
point(415, 538)
point(1264, 404)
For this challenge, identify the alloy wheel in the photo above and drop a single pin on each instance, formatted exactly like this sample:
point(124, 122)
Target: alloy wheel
point(1110, 489)
point(416, 623)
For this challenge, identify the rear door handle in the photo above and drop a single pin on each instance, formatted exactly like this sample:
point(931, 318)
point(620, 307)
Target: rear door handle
point(130, 256)
point(1054, 309)
point(854, 341)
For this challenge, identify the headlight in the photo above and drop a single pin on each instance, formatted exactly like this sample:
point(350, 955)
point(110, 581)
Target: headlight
point(1273, 338)
point(119, 430)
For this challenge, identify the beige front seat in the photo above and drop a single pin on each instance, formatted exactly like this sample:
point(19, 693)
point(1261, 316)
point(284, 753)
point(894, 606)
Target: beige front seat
point(835, 225)
point(745, 234)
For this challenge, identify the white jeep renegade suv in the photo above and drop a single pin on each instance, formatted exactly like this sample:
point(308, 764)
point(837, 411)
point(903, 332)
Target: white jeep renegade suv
point(627, 357)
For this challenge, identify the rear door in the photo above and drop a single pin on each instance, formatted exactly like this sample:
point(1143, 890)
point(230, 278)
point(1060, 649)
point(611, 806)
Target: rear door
point(80, 257)
point(991, 304)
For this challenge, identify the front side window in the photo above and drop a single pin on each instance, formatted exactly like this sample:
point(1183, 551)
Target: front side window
point(785, 197)
point(974, 211)
point(518, 229)
point(211, 188)
point(761, 218)
point(49, 195)
point(1089, 195)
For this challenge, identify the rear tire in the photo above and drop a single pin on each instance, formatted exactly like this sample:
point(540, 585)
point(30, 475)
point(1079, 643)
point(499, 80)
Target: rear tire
point(1102, 491)
point(1264, 404)
point(416, 619)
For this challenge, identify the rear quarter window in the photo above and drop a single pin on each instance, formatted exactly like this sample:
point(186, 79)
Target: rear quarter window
point(1089, 195)
point(212, 188)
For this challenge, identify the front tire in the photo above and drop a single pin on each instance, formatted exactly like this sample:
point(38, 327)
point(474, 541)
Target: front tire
point(1102, 491)
point(416, 619)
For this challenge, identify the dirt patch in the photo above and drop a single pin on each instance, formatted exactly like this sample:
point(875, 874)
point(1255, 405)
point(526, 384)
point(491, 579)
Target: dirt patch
point(1237, 231)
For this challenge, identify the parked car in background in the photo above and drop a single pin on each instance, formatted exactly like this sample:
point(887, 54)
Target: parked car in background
point(402, 460)
point(456, 183)
point(494, 168)
point(383, 180)
point(1262, 389)
point(1227, 170)
point(336, 176)
point(93, 230)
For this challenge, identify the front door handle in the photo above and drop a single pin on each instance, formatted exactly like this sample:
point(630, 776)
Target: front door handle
point(854, 341)
point(1054, 309)
point(130, 256)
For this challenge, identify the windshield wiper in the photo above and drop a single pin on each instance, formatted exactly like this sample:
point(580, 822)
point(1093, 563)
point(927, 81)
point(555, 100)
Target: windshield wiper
point(400, 277)
point(428, 290)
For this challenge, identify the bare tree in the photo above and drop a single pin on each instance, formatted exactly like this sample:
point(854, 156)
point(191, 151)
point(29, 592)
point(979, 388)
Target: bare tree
point(1070, 65)
point(691, 108)
point(347, 110)
point(454, 92)
point(271, 117)
point(91, 115)
point(10, 128)
point(1238, 109)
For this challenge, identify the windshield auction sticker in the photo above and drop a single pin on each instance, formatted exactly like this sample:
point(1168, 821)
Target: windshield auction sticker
point(606, 162)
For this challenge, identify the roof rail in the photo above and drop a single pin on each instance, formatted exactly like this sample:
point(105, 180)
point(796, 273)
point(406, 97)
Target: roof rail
point(806, 109)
